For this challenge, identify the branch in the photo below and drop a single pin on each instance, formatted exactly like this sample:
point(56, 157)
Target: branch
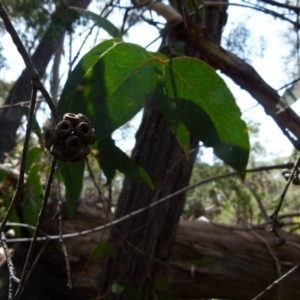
point(262, 209)
point(275, 3)
point(11, 268)
point(166, 11)
point(254, 7)
point(27, 265)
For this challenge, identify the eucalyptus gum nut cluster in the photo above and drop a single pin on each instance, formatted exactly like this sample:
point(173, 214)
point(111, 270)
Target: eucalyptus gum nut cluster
point(64, 128)
point(278, 223)
point(74, 119)
point(287, 174)
point(70, 139)
point(279, 241)
point(85, 132)
point(51, 138)
point(73, 143)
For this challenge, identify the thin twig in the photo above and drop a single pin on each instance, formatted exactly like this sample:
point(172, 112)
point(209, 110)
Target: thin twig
point(27, 60)
point(254, 7)
point(36, 85)
point(20, 183)
point(27, 265)
point(274, 216)
point(14, 224)
point(276, 282)
point(289, 215)
point(64, 250)
point(49, 101)
point(36, 259)
point(17, 41)
point(71, 63)
point(286, 6)
point(282, 196)
point(262, 209)
point(288, 84)
point(101, 196)
point(144, 7)
point(275, 258)
point(24, 103)
point(141, 210)
point(10, 266)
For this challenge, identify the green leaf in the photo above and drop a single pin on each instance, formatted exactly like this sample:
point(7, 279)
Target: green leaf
point(162, 289)
point(113, 109)
point(112, 158)
point(33, 196)
point(73, 81)
point(203, 262)
point(100, 21)
point(73, 178)
point(32, 157)
point(170, 114)
point(105, 248)
point(177, 126)
point(130, 293)
point(101, 249)
point(113, 89)
point(3, 174)
point(117, 288)
point(75, 170)
point(207, 108)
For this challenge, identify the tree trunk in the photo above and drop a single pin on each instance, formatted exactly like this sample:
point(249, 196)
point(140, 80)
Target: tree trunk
point(152, 232)
point(207, 261)
point(144, 243)
point(10, 117)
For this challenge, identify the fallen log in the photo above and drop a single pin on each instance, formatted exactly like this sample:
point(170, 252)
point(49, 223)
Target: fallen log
point(236, 264)
point(208, 261)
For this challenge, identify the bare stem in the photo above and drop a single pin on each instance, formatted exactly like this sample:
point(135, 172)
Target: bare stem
point(27, 265)
point(11, 268)
point(20, 183)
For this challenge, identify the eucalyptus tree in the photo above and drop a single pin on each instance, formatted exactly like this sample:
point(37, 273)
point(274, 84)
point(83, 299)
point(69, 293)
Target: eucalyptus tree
point(184, 101)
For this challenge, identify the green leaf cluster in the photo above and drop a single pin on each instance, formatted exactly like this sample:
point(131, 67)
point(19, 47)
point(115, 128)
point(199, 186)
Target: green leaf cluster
point(114, 81)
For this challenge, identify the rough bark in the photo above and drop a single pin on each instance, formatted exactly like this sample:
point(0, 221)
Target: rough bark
point(152, 232)
point(241, 266)
point(10, 117)
point(245, 263)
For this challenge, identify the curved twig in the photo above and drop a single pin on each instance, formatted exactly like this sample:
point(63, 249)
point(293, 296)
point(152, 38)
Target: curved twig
point(136, 212)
